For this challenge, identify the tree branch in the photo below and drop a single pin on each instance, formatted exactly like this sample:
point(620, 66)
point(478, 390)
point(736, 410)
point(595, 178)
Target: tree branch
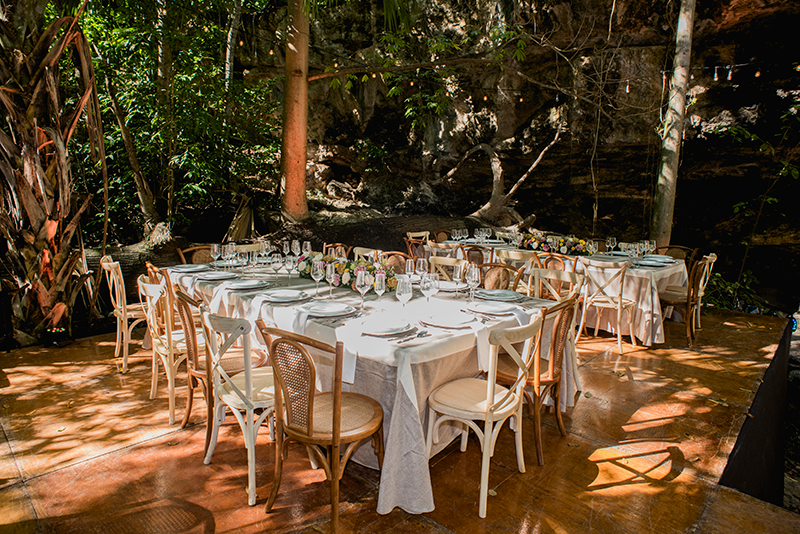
point(401, 68)
point(534, 164)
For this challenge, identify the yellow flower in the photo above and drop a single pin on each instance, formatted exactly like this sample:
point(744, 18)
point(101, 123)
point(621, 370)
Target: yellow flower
point(340, 268)
point(391, 283)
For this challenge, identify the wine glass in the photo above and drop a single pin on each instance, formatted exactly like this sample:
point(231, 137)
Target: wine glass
point(296, 247)
point(651, 245)
point(275, 263)
point(317, 273)
point(591, 247)
point(458, 274)
point(243, 256)
point(473, 279)
point(422, 267)
point(306, 247)
point(409, 268)
point(362, 284)
point(340, 253)
point(429, 285)
point(611, 242)
point(215, 252)
point(380, 284)
point(286, 248)
point(263, 248)
point(330, 276)
point(403, 291)
point(291, 263)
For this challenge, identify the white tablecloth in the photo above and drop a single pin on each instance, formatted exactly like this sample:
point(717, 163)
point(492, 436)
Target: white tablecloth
point(400, 376)
point(642, 285)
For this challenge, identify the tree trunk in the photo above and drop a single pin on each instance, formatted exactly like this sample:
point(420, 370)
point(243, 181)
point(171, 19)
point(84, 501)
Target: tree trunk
point(229, 48)
point(143, 191)
point(664, 201)
point(295, 118)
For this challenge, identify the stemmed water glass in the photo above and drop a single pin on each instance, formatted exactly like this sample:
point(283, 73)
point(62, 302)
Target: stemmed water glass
point(651, 245)
point(380, 285)
point(291, 263)
point(215, 252)
point(458, 275)
point(296, 247)
point(287, 247)
point(330, 276)
point(403, 291)
point(317, 273)
point(422, 267)
point(275, 263)
point(306, 247)
point(473, 279)
point(611, 242)
point(429, 285)
point(362, 284)
point(409, 268)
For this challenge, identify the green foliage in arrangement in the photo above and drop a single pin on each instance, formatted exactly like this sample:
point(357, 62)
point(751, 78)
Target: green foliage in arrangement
point(736, 296)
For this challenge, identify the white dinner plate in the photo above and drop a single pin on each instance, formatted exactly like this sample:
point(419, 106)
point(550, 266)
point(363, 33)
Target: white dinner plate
point(659, 257)
point(447, 285)
point(242, 285)
point(492, 307)
point(650, 263)
point(385, 326)
point(327, 309)
point(190, 268)
point(453, 320)
point(216, 276)
point(285, 295)
point(498, 294)
point(219, 264)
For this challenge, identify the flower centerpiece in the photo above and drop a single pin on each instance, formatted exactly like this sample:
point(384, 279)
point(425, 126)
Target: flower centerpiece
point(347, 270)
point(571, 246)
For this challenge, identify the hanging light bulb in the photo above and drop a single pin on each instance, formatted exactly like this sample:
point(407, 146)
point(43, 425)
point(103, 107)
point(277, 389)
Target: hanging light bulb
point(730, 73)
point(374, 75)
point(627, 87)
point(716, 74)
point(271, 52)
point(485, 98)
point(521, 99)
point(757, 74)
point(412, 83)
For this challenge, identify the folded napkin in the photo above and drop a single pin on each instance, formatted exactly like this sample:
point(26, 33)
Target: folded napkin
point(220, 296)
point(522, 316)
point(482, 341)
point(300, 320)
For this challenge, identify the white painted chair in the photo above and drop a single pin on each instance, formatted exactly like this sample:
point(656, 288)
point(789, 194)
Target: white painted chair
point(250, 394)
point(127, 315)
point(467, 401)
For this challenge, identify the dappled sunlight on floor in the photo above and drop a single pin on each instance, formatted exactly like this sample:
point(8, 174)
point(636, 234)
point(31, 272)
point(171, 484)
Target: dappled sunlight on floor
point(84, 449)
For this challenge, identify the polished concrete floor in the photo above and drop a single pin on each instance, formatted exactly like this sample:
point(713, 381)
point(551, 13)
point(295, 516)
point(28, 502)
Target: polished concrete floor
point(84, 450)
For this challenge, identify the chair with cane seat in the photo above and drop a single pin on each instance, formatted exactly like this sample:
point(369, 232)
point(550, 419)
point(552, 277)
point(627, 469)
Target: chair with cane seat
point(325, 422)
point(128, 315)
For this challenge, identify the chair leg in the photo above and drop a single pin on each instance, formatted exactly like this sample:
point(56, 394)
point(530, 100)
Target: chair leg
point(171, 391)
point(219, 415)
point(279, 455)
point(689, 320)
point(250, 433)
point(557, 402)
point(377, 446)
point(518, 440)
point(485, 459)
point(464, 437)
point(190, 384)
point(619, 330)
point(209, 395)
point(334, 463)
point(154, 381)
point(429, 436)
point(582, 324)
point(121, 328)
point(537, 429)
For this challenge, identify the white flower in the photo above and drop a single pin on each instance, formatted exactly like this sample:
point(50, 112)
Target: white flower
point(302, 266)
point(370, 279)
point(346, 277)
point(318, 256)
point(563, 250)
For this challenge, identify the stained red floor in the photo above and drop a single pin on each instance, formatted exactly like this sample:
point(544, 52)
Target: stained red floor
point(84, 450)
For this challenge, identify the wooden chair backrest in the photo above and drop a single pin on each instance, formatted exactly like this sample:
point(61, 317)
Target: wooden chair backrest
point(553, 260)
point(365, 254)
point(499, 276)
point(509, 339)
point(440, 265)
point(116, 283)
point(222, 334)
point(331, 249)
point(444, 250)
point(441, 235)
point(706, 275)
point(558, 320)
point(595, 286)
point(415, 247)
point(197, 254)
point(554, 284)
point(154, 299)
point(396, 260)
point(295, 375)
point(478, 254)
point(185, 304)
point(422, 235)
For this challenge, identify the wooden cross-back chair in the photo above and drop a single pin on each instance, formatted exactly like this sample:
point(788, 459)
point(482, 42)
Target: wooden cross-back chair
point(687, 299)
point(605, 286)
point(499, 276)
point(334, 249)
point(554, 284)
point(422, 235)
point(128, 315)
point(478, 254)
point(440, 236)
point(544, 371)
point(365, 254)
point(469, 401)
point(679, 252)
point(416, 247)
point(325, 422)
point(444, 250)
point(168, 350)
point(446, 267)
point(196, 254)
point(396, 260)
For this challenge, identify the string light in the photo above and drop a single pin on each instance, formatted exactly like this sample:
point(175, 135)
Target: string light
point(716, 74)
point(521, 99)
point(485, 98)
point(374, 75)
point(627, 87)
point(730, 73)
point(271, 52)
point(757, 74)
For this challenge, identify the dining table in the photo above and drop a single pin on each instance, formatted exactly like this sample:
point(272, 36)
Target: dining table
point(643, 280)
point(397, 354)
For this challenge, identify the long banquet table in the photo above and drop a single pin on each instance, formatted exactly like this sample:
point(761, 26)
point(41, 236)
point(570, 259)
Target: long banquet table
point(399, 375)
